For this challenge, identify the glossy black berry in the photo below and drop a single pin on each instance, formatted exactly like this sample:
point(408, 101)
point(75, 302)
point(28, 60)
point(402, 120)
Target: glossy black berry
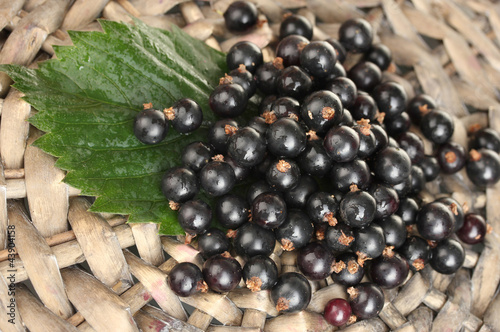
point(291, 293)
point(252, 240)
point(314, 160)
point(196, 155)
point(213, 242)
point(447, 257)
point(418, 106)
point(456, 209)
point(339, 238)
point(337, 312)
point(380, 55)
point(483, 167)
point(437, 126)
point(231, 211)
point(240, 16)
point(356, 35)
point(417, 251)
point(187, 115)
point(269, 210)
point(366, 300)
point(315, 261)
point(430, 167)
point(289, 49)
point(243, 77)
point(417, 180)
point(266, 103)
point(347, 119)
point(381, 138)
point(408, 209)
point(286, 107)
point(322, 207)
point(345, 89)
point(217, 178)
point(296, 25)
point(244, 53)
point(318, 58)
point(186, 279)
point(473, 229)
point(266, 74)
point(285, 138)
point(369, 242)
point(247, 147)
point(394, 230)
point(451, 157)
point(240, 172)
point(386, 198)
point(283, 174)
point(390, 98)
point(435, 221)
point(413, 145)
point(392, 165)
point(195, 216)
point(404, 187)
point(179, 184)
point(321, 110)
point(259, 124)
point(294, 82)
point(297, 197)
point(341, 144)
point(485, 138)
point(150, 126)
point(228, 100)
point(397, 125)
point(222, 274)
point(343, 175)
point(296, 231)
point(365, 75)
point(260, 273)
point(346, 270)
point(389, 270)
point(364, 107)
point(257, 188)
point(219, 133)
point(366, 139)
point(339, 49)
point(357, 208)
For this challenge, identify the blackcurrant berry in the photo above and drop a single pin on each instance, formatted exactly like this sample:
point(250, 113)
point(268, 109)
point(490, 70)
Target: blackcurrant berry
point(283, 174)
point(357, 208)
point(417, 251)
point(341, 144)
point(339, 238)
point(392, 165)
point(339, 49)
point(247, 147)
point(345, 89)
point(212, 242)
point(314, 160)
point(419, 106)
point(231, 211)
point(244, 53)
point(285, 138)
point(269, 210)
point(394, 230)
point(185, 115)
point(430, 167)
point(298, 196)
point(321, 110)
point(228, 100)
point(346, 270)
point(150, 126)
point(195, 216)
point(473, 229)
point(366, 300)
point(408, 209)
point(322, 207)
point(294, 82)
point(413, 145)
point(365, 75)
point(222, 274)
point(296, 25)
point(291, 292)
point(260, 273)
point(356, 35)
point(386, 198)
point(219, 133)
point(389, 270)
point(289, 49)
point(337, 312)
point(186, 279)
point(435, 221)
point(343, 175)
point(364, 107)
point(485, 138)
point(240, 16)
point(252, 240)
point(397, 125)
point(296, 231)
point(369, 242)
point(483, 167)
point(217, 178)
point(318, 58)
point(266, 75)
point(451, 157)
point(286, 107)
point(380, 55)
point(390, 98)
point(179, 184)
point(244, 78)
point(437, 126)
point(196, 155)
point(447, 257)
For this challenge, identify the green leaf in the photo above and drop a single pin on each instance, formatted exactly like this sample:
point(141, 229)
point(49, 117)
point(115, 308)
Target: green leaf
point(87, 100)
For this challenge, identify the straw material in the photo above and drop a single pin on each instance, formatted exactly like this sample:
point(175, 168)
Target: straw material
point(114, 289)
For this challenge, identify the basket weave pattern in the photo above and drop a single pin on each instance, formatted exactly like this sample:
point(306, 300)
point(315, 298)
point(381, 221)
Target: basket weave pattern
point(52, 233)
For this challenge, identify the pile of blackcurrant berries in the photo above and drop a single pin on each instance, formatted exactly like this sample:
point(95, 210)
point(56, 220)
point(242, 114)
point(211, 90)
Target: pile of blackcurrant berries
point(328, 168)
